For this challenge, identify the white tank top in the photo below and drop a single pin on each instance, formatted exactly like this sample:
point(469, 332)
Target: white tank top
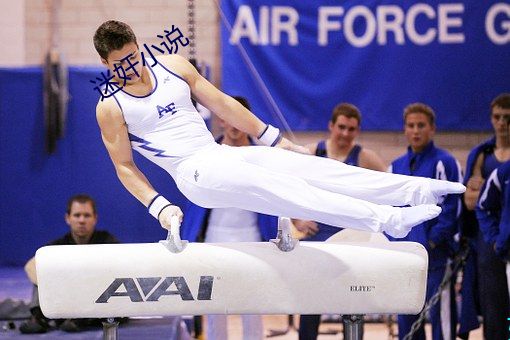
point(232, 225)
point(164, 126)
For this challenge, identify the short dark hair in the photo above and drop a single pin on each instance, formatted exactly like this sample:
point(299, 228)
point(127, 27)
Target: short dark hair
point(112, 35)
point(348, 110)
point(244, 102)
point(81, 198)
point(503, 101)
point(420, 108)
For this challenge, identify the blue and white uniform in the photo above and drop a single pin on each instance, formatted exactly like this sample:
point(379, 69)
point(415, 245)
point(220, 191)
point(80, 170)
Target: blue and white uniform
point(493, 210)
point(484, 279)
point(493, 213)
point(165, 128)
point(469, 230)
point(434, 162)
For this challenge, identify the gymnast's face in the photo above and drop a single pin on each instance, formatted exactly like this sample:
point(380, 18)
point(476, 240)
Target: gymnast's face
point(122, 67)
point(82, 221)
point(419, 131)
point(344, 130)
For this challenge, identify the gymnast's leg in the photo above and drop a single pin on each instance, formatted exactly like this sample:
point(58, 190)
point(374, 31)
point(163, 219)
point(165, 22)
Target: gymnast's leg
point(215, 181)
point(376, 187)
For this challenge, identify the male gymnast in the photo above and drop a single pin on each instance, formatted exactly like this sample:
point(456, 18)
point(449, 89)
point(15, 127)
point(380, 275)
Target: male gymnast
point(271, 180)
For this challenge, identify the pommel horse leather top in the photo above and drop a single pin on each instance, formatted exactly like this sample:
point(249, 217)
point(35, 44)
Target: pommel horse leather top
point(123, 280)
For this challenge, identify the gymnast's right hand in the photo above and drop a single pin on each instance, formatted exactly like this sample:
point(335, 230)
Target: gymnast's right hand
point(167, 213)
point(286, 144)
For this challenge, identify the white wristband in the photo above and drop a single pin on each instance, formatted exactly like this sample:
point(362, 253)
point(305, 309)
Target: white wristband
point(157, 205)
point(270, 136)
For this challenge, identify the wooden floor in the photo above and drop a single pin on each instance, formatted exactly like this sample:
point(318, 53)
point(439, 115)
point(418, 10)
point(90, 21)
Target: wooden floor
point(279, 323)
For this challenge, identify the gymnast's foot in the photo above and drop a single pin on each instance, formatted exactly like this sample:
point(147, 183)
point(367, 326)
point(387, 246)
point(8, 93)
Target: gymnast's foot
point(412, 216)
point(436, 190)
point(442, 188)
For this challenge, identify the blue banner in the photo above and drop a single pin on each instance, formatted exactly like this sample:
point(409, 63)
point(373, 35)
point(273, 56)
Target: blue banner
point(297, 59)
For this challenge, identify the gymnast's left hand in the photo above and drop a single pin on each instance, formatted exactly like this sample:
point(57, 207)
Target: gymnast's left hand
point(286, 144)
point(167, 213)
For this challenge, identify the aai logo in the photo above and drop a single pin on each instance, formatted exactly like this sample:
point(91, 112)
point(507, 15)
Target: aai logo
point(152, 288)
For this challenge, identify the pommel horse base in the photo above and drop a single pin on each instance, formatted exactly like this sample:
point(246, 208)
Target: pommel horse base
point(153, 279)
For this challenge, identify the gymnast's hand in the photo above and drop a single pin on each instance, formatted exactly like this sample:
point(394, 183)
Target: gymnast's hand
point(286, 144)
point(166, 215)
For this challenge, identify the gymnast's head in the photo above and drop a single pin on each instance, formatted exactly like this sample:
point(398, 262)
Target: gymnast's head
point(115, 42)
point(112, 35)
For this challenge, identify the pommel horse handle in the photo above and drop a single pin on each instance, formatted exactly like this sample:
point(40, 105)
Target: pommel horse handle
point(284, 240)
point(173, 240)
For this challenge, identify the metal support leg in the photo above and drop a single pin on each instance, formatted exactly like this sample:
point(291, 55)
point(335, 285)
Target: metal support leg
point(110, 329)
point(353, 327)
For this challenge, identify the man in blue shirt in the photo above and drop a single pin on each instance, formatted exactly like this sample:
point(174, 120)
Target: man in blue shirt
point(424, 159)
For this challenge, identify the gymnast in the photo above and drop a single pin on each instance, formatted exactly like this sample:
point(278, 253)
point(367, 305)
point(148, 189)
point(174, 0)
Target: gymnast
point(153, 114)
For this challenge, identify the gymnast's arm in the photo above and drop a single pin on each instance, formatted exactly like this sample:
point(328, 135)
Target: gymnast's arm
point(224, 106)
point(115, 138)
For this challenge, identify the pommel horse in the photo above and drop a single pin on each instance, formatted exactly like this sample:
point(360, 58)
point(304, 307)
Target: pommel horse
point(173, 277)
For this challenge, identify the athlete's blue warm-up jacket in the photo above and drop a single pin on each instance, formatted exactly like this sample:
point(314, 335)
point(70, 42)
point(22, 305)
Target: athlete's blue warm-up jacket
point(493, 210)
point(435, 163)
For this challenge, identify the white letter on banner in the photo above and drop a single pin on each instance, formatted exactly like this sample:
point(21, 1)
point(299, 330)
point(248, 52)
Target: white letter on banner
point(369, 34)
point(445, 22)
point(325, 25)
point(385, 25)
point(278, 25)
point(490, 18)
point(244, 26)
point(264, 25)
point(412, 13)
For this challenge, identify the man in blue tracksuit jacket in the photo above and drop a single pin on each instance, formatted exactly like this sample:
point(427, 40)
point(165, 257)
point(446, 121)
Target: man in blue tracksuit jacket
point(484, 279)
point(424, 159)
point(469, 311)
point(493, 211)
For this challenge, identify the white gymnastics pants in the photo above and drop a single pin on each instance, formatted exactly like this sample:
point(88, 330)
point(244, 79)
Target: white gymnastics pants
point(278, 182)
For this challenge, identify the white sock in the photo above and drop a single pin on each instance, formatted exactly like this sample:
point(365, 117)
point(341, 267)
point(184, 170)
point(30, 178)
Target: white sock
point(442, 188)
point(412, 216)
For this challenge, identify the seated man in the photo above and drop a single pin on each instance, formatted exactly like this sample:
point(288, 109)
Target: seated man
point(81, 216)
